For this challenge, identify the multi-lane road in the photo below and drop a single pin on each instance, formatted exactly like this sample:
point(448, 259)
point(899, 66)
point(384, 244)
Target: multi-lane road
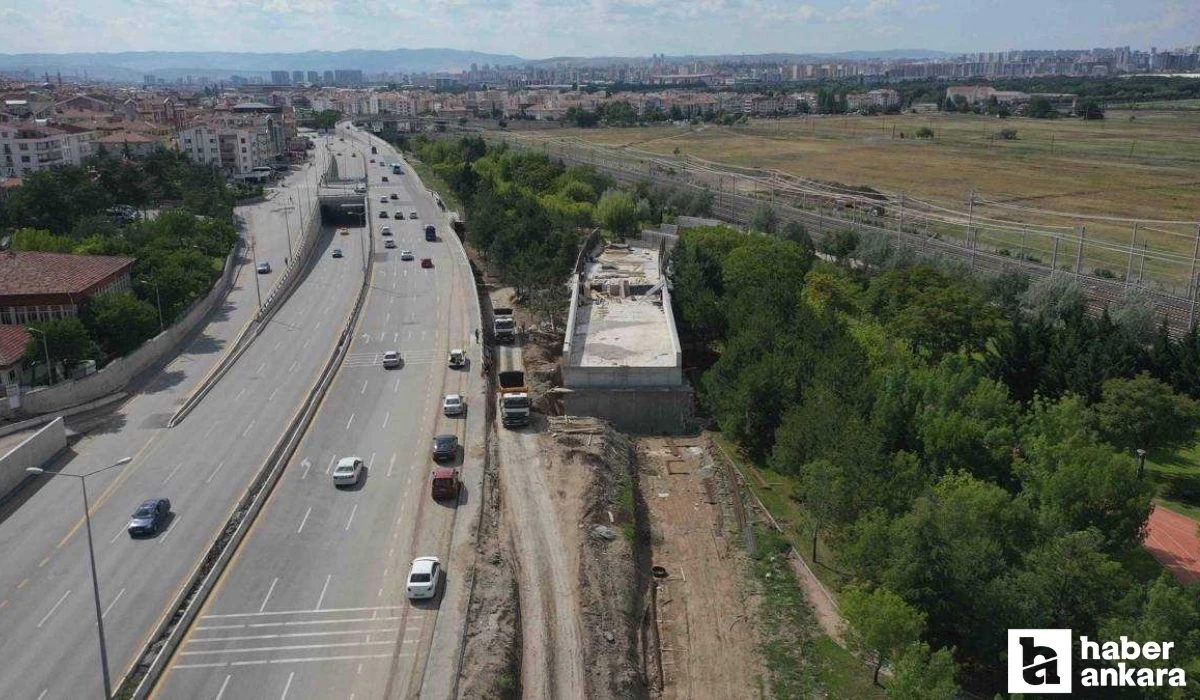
point(313, 604)
point(49, 647)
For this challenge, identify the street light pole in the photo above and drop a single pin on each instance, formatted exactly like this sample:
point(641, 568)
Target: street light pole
point(87, 517)
point(287, 223)
point(158, 299)
point(46, 347)
point(254, 254)
point(1141, 461)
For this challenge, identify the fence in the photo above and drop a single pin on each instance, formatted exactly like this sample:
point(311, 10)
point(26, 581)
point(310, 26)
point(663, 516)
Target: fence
point(1166, 273)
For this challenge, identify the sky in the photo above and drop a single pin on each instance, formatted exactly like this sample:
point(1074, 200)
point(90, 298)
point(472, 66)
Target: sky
point(545, 28)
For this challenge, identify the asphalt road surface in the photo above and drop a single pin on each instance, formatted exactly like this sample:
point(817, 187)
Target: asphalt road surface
point(313, 604)
point(49, 646)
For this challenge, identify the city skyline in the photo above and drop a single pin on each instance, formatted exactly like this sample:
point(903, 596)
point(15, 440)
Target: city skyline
point(617, 28)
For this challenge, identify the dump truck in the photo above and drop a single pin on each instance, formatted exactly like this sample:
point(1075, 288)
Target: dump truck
point(503, 325)
point(513, 403)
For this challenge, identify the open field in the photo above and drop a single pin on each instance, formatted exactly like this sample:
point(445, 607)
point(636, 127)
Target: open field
point(1064, 179)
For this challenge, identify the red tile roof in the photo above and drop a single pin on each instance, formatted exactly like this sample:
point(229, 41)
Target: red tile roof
point(13, 340)
point(29, 272)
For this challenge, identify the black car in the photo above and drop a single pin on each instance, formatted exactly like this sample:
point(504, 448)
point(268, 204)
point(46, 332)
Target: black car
point(383, 214)
point(445, 447)
point(149, 517)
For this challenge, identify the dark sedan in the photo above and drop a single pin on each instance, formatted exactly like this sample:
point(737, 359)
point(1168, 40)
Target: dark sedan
point(445, 447)
point(149, 517)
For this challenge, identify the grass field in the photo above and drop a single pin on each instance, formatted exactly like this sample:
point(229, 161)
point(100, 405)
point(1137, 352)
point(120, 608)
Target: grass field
point(1178, 479)
point(1052, 177)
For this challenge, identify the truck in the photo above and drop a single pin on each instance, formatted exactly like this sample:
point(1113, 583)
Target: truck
point(513, 402)
point(503, 325)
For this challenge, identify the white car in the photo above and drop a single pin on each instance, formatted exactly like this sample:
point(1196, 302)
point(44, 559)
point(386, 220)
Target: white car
point(385, 231)
point(406, 255)
point(383, 199)
point(389, 243)
point(453, 405)
point(347, 472)
point(264, 267)
point(423, 578)
point(391, 358)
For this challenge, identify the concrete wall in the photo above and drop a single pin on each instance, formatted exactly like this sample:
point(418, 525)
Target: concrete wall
point(645, 411)
point(575, 377)
point(35, 451)
point(121, 371)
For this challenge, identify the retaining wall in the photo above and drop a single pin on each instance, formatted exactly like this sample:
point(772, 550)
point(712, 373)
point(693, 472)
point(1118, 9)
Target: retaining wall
point(640, 411)
point(34, 451)
point(121, 371)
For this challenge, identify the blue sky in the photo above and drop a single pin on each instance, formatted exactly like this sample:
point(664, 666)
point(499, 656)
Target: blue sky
point(542, 28)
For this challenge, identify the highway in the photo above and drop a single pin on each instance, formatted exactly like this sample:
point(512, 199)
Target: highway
point(313, 605)
point(49, 646)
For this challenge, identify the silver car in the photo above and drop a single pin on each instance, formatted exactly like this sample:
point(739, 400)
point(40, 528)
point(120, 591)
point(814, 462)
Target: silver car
point(348, 471)
point(454, 405)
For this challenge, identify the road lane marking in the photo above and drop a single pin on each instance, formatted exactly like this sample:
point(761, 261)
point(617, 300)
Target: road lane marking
point(303, 612)
point(380, 594)
point(253, 650)
point(302, 521)
point(364, 389)
point(172, 474)
point(169, 530)
point(397, 386)
point(287, 685)
point(391, 464)
point(114, 602)
point(386, 417)
point(223, 685)
point(291, 635)
point(24, 582)
point(239, 396)
point(260, 368)
point(324, 588)
point(270, 591)
point(352, 512)
point(43, 694)
point(359, 671)
point(47, 617)
point(263, 662)
point(210, 476)
point(248, 429)
point(295, 364)
point(272, 396)
point(371, 462)
point(3, 604)
point(349, 421)
point(43, 562)
point(307, 465)
point(119, 533)
point(331, 461)
point(210, 429)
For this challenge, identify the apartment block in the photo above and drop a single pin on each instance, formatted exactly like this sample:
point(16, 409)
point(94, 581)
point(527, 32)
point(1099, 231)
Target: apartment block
point(27, 147)
point(235, 150)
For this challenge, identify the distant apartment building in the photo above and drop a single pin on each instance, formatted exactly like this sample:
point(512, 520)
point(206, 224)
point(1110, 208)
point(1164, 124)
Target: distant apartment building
point(280, 77)
point(883, 99)
point(327, 77)
point(27, 147)
point(297, 77)
point(314, 77)
point(980, 94)
point(234, 150)
point(347, 77)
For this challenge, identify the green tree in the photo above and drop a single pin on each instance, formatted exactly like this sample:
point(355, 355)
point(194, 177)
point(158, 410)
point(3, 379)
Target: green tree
point(327, 118)
point(924, 132)
point(839, 245)
point(796, 233)
point(41, 240)
point(68, 341)
point(120, 322)
point(765, 220)
point(1090, 109)
point(1145, 413)
point(920, 675)
point(937, 312)
point(1041, 108)
point(882, 624)
point(695, 273)
point(617, 212)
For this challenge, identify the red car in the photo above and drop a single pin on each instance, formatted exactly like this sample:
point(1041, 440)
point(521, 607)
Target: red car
point(444, 483)
point(426, 262)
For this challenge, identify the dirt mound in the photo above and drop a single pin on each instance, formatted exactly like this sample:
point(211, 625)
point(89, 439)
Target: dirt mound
point(613, 567)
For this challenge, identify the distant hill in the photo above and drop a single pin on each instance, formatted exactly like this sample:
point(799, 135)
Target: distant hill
point(132, 65)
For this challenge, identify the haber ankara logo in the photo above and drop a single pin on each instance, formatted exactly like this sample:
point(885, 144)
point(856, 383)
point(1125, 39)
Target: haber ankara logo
point(1039, 661)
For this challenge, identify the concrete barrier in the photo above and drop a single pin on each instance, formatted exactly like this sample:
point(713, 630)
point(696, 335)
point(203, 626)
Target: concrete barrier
point(121, 371)
point(34, 451)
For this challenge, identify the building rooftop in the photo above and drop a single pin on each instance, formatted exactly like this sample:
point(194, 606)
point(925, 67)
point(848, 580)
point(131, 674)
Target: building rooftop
point(29, 272)
point(13, 340)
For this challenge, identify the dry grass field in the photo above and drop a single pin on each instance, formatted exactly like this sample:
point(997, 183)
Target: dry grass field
point(1053, 177)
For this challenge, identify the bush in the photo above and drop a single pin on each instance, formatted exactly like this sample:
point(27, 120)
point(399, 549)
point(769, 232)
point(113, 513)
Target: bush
point(1008, 134)
point(1104, 273)
point(924, 133)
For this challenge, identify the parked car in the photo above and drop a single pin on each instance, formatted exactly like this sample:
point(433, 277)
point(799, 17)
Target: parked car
point(391, 358)
point(453, 405)
point(445, 447)
point(406, 255)
point(426, 262)
point(444, 483)
point(337, 252)
point(348, 471)
point(423, 578)
point(149, 517)
point(264, 268)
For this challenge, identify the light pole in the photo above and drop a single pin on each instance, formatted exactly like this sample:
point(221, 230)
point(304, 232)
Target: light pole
point(46, 347)
point(1141, 461)
point(92, 559)
point(254, 254)
point(158, 299)
point(287, 222)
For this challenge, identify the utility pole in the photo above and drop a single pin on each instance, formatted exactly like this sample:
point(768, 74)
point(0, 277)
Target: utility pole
point(157, 298)
point(254, 254)
point(971, 225)
point(1132, 245)
point(1079, 251)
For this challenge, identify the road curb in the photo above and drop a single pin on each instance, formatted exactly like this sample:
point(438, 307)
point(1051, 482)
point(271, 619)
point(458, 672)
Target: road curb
point(209, 570)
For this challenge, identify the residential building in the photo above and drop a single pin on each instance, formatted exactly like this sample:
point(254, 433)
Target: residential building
point(37, 286)
point(26, 147)
point(280, 77)
point(13, 340)
point(314, 77)
point(129, 142)
point(236, 151)
point(297, 77)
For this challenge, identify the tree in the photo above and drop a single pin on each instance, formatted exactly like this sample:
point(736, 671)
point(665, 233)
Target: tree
point(327, 118)
point(765, 219)
point(1145, 413)
point(1041, 108)
point(67, 339)
point(1090, 109)
point(617, 212)
point(796, 233)
point(924, 132)
point(920, 675)
point(881, 623)
point(120, 322)
point(840, 244)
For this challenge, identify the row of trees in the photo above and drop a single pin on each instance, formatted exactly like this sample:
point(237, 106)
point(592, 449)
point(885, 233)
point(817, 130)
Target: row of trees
point(179, 253)
point(964, 447)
